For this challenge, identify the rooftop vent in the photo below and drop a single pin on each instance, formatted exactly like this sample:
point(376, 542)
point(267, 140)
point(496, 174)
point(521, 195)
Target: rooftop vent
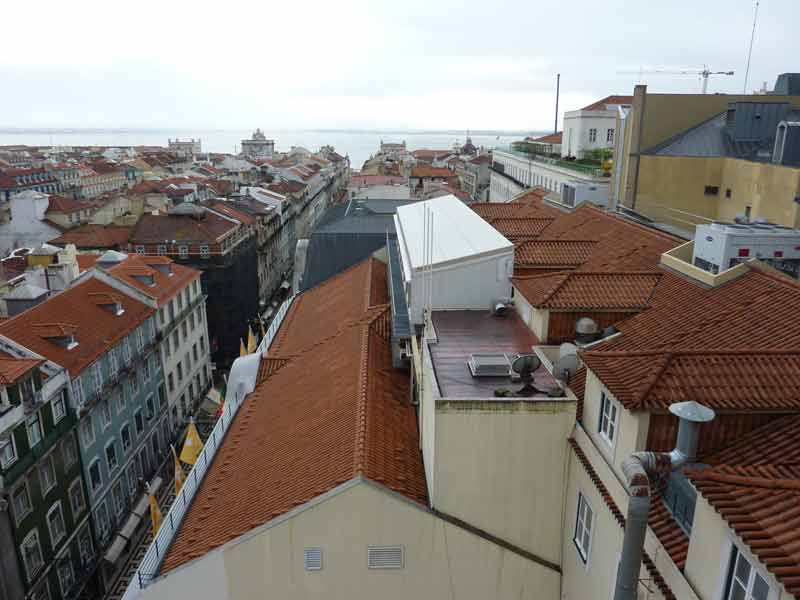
point(165, 268)
point(586, 330)
point(385, 557)
point(60, 334)
point(110, 258)
point(312, 558)
point(489, 365)
point(110, 302)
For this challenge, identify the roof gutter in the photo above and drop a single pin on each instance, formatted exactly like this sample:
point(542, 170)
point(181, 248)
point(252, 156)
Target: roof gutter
point(638, 470)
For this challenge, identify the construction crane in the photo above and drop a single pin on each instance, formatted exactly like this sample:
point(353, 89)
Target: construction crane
point(705, 73)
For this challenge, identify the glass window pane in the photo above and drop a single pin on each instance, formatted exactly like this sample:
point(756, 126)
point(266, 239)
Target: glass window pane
point(737, 591)
point(742, 569)
point(760, 588)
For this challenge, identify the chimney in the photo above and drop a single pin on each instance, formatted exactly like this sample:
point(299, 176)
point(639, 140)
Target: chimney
point(638, 469)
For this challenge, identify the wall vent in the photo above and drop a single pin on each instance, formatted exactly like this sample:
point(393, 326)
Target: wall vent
point(312, 557)
point(489, 365)
point(385, 557)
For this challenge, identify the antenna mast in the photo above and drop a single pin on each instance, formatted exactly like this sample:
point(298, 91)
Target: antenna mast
point(750, 51)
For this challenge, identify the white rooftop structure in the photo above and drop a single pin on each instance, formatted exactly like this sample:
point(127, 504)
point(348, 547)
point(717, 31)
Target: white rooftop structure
point(458, 232)
point(468, 264)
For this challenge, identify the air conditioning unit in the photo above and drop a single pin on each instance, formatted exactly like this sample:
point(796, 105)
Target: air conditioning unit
point(489, 365)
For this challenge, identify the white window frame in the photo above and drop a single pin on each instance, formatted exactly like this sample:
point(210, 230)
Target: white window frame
point(31, 573)
point(105, 414)
point(608, 421)
point(21, 516)
point(76, 511)
point(205, 251)
point(60, 401)
point(610, 135)
point(28, 421)
point(579, 529)
point(48, 460)
point(119, 400)
point(85, 535)
point(5, 463)
point(737, 553)
point(126, 424)
point(69, 451)
point(84, 423)
point(77, 391)
point(111, 444)
point(99, 487)
point(118, 501)
point(54, 542)
point(97, 377)
point(183, 251)
point(60, 564)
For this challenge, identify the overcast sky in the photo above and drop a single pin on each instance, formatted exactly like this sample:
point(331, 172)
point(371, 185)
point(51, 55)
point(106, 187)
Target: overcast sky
point(422, 64)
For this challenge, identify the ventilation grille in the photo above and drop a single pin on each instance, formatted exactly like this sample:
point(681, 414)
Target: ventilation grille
point(489, 365)
point(313, 559)
point(385, 557)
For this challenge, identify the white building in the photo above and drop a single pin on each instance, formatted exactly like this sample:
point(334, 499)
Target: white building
point(463, 249)
point(571, 183)
point(185, 148)
point(592, 127)
point(258, 146)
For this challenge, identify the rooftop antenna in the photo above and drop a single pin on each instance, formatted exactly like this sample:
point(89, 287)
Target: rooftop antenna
point(525, 365)
point(558, 91)
point(750, 51)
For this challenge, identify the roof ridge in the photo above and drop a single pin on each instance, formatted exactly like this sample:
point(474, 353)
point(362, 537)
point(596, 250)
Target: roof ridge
point(360, 453)
point(654, 378)
point(640, 226)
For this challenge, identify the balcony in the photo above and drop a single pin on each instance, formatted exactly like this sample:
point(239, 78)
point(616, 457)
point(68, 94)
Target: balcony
point(10, 415)
point(587, 170)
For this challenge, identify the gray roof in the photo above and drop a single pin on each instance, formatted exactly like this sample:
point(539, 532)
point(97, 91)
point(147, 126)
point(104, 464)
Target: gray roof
point(345, 235)
point(714, 138)
point(26, 291)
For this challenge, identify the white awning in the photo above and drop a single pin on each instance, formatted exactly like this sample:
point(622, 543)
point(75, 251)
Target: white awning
point(143, 505)
point(286, 285)
point(130, 526)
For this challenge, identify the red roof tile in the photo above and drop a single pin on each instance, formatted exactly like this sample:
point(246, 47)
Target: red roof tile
point(156, 229)
point(426, 171)
point(75, 311)
point(589, 291)
point(164, 286)
point(615, 99)
point(113, 237)
point(520, 228)
point(11, 369)
point(755, 487)
point(553, 253)
point(279, 455)
point(553, 138)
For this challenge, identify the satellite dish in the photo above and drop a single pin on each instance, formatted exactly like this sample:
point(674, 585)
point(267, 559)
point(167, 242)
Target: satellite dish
point(525, 365)
point(566, 349)
point(565, 366)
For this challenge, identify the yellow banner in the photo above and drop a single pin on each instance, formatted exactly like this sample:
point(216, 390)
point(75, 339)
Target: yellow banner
point(192, 446)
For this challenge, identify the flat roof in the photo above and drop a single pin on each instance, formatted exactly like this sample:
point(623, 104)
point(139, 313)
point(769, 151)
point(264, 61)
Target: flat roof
point(460, 333)
point(458, 232)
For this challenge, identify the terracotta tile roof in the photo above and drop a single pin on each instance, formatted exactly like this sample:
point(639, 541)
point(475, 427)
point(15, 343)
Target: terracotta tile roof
point(589, 291)
point(483, 159)
point(553, 253)
point(520, 228)
point(280, 455)
point(86, 261)
point(614, 99)
point(427, 153)
point(229, 210)
point(426, 171)
point(723, 380)
point(368, 180)
point(63, 204)
point(577, 383)
point(89, 237)
point(338, 300)
point(658, 579)
point(553, 138)
point(159, 228)
point(75, 311)
point(12, 368)
point(755, 487)
point(164, 286)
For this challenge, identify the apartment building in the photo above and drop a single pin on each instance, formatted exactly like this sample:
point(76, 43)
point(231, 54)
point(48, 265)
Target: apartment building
point(593, 127)
point(106, 341)
point(225, 251)
point(45, 538)
point(686, 159)
point(182, 325)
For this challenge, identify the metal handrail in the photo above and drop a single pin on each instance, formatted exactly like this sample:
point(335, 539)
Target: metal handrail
point(148, 568)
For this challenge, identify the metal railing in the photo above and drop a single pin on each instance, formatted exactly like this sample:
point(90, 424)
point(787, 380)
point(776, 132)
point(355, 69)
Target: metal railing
point(591, 170)
point(148, 568)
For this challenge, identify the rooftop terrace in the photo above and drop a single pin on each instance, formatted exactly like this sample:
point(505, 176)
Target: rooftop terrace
point(460, 333)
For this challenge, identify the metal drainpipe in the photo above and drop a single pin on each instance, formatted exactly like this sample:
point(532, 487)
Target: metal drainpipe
point(638, 469)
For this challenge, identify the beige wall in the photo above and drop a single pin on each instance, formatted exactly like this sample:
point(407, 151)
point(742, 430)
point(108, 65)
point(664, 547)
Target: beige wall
point(672, 190)
point(441, 560)
point(709, 555)
point(655, 118)
point(631, 433)
point(500, 466)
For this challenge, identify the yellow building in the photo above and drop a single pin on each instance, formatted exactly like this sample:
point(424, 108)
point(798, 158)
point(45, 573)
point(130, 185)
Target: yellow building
point(685, 159)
